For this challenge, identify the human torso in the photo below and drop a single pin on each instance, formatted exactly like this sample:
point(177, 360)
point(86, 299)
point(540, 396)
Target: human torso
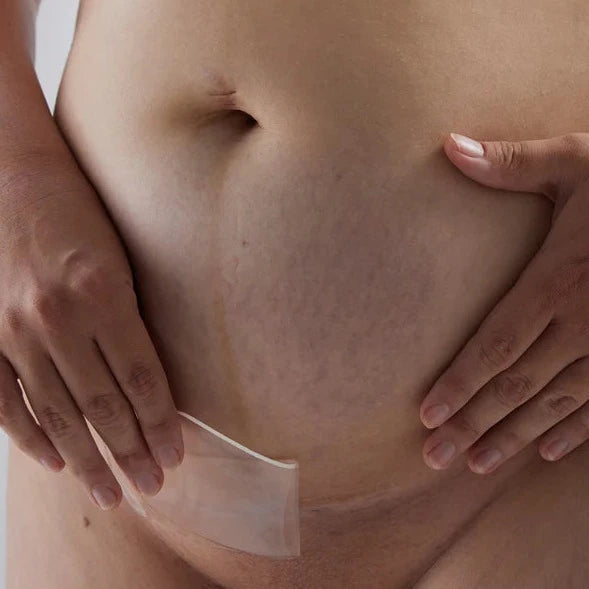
point(306, 259)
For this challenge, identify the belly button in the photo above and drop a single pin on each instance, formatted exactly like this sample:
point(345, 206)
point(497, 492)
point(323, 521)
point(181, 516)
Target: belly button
point(222, 90)
point(226, 100)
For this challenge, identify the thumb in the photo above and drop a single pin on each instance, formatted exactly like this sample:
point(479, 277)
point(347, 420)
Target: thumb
point(552, 167)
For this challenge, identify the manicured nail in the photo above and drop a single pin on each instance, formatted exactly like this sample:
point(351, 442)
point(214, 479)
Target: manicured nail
point(468, 146)
point(556, 449)
point(486, 460)
point(441, 455)
point(104, 496)
point(147, 483)
point(167, 457)
point(435, 415)
point(51, 463)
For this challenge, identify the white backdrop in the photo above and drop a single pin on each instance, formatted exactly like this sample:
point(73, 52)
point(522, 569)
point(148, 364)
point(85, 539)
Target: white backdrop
point(54, 32)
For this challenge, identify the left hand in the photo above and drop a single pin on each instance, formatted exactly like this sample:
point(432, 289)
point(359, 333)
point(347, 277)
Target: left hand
point(532, 351)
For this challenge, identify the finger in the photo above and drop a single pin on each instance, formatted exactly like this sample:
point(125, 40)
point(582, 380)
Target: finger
point(19, 425)
point(544, 166)
point(563, 396)
point(128, 350)
point(572, 431)
point(567, 435)
point(502, 395)
point(505, 334)
point(64, 425)
point(101, 401)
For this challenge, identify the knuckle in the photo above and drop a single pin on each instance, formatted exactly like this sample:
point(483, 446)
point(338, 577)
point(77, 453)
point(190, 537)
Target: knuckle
point(141, 381)
point(103, 410)
point(495, 352)
point(510, 155)
point(92, 283)
point(466, 426)
point(48, 307)
point(511, 390)
point(559, 404)
point(14, 320)
point(55, 423)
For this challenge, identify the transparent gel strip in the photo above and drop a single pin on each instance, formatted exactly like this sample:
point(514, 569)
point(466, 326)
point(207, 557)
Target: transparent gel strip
point(226, 493)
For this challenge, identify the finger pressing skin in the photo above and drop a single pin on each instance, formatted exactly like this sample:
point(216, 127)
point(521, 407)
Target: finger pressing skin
point(562, 397)
point(99, 398)
point(546, 166)
point(507, 332)
point(18, 423)
point(498, 398)
point(129, 351)
point(569, 433)
point(64, 425)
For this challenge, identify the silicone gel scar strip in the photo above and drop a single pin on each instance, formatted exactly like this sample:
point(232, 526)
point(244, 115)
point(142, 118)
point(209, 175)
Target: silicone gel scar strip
point(226, 493)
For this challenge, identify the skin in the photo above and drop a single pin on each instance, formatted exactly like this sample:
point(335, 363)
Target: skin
point(525, 372)
point(307, 261)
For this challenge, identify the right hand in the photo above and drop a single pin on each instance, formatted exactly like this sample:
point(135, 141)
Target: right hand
point(71, 331)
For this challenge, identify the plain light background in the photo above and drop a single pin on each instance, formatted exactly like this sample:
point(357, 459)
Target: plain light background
point(55, 26)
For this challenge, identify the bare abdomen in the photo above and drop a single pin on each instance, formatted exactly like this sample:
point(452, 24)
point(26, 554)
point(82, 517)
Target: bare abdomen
point(306, 259)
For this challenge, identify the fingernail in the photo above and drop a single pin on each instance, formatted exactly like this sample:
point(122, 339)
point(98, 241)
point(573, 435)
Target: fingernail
point(486, 460)
point(435, 415)
point(442, 454)
point(167, 457)
point(104, 496)
point(51, 463)
point(468, 146)
point(556, 449)
point(147, 483)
